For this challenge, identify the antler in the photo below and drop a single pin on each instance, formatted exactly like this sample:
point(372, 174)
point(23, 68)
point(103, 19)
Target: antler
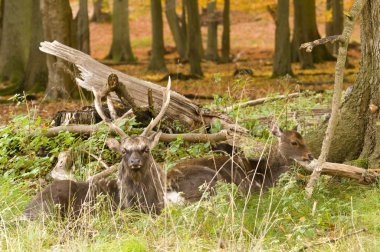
point(165, 105)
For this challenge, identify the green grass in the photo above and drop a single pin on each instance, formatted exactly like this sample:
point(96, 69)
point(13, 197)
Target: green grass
point(281, 219)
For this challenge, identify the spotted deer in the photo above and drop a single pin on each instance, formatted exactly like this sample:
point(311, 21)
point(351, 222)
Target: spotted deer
point(139, 184)
point(250, 175)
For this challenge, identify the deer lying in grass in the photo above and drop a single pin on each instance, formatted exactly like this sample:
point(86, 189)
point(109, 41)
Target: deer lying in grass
point(140, 180)
point(251, 175)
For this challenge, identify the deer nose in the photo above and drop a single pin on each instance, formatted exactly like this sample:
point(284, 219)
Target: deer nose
point(310, 156)
point(134, 162)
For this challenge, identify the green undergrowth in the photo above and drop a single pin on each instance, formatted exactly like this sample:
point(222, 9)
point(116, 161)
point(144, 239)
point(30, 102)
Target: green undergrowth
point(281, 219)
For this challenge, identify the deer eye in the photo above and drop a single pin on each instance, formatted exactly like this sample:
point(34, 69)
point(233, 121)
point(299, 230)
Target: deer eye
point(294, 143)
point(146, 149)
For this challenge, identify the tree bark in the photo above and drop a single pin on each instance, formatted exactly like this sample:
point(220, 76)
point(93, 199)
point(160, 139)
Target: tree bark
point(1, 18)
point(357, 134)
point(212, 32)
point(305, 30)
point(194, 38)
point(282, 62)
point(36, 73)
point(177, 30)
point(121, 49)
point(334, 24)
point(157, 61)
point(57, 25)
point(98, 15)
point(83, 27)
point(226, 32)
point(15, 39)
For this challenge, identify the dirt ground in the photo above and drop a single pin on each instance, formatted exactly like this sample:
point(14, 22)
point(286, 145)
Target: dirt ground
point(252, 36)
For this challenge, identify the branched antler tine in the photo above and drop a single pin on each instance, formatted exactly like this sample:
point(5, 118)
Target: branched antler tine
point(99, 109)
point(165, 105)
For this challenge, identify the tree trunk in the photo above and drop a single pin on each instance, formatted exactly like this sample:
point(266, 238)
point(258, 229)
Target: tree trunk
point(305, 30)
point(121, 49)
point(15, 39)
point(226, 32)
point(176, 29)
point(57, 25)
point(358, 133)
point(36, 73)
point(98, 15)
point(194, 38)
point(1, 17)
point(157, 61)
point(334, 24)
point(83, 27)
point(281, 61)
point(212, 32)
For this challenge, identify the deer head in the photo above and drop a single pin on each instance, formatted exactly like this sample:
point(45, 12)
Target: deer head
point(291, 144)
point(135, 150)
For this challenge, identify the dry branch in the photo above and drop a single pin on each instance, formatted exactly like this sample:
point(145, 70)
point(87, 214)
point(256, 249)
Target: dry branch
point(361, 175)
point(104, 173)
point(188, 137)
point(62, 170)
point(331, 39)
point(260, 101)
point(330, 240)
point(340, 64)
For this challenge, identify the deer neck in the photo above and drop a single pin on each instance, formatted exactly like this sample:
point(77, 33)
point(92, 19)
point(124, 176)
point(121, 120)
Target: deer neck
point(276, 158)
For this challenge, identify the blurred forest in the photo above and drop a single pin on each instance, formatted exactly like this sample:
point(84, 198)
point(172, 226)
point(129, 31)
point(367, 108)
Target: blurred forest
point(131, 40)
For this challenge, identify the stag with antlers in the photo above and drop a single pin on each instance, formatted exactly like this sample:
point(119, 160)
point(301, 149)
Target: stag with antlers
point(140, 180)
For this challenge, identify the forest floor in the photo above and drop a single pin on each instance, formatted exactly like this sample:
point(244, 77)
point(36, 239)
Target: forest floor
point(252, 36)
point(341, 216)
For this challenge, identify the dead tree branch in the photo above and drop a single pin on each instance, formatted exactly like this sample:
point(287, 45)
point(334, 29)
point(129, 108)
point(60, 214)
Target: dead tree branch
point(188, 137)
point(330, 240)
point(260, 101)
point(339, 74)
point(104, 173)
point(62, 170)
point(331, 39)
point(363, 176)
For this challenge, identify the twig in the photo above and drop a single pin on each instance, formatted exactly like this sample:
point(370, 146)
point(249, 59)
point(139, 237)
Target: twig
point(260, 101)
point(331, 240)
point(104, 173)
point(99, 160)
point(330, 39)
point(340, 64)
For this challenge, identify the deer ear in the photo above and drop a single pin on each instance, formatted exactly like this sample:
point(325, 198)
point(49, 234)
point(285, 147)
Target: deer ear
point(296, 128)
point(277, 131)
point(113, 144)
point(154, 139)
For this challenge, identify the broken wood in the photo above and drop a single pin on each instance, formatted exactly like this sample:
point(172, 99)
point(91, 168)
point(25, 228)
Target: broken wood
point(94, 76)
point(187, 137)
point(308, 46)
point(363, 176)
point(62, 170)
point(260, 101)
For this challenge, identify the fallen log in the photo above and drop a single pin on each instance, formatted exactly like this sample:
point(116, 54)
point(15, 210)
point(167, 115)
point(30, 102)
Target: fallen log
point(361, 175)
point(94, 77)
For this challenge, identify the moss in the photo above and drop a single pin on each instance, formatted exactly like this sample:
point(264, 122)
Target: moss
point(360, 162)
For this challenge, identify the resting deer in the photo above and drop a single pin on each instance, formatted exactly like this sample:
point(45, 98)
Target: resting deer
point(140, 180)
point(249, 174)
